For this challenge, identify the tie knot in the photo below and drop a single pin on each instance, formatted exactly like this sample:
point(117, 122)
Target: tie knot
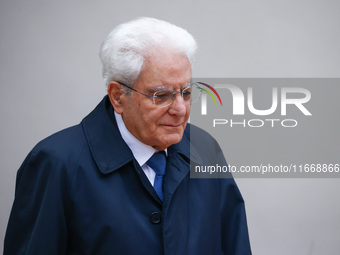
point(158, 162)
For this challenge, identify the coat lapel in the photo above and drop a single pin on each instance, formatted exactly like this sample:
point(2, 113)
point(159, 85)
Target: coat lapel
point(178, 164)
point(108, 148)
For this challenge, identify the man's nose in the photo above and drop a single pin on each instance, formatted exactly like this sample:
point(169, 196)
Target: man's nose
point(178, 106)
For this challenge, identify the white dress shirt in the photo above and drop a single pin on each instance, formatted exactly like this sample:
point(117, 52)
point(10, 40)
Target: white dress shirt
point(140, 151)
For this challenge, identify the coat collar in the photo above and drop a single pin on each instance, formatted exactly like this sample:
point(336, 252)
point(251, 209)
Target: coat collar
point(108, 148)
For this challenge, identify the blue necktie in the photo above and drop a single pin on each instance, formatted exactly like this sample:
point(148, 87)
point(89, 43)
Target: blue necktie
point(158, 163)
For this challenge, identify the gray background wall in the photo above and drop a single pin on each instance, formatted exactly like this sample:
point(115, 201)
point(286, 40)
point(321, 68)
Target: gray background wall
point(50, 78)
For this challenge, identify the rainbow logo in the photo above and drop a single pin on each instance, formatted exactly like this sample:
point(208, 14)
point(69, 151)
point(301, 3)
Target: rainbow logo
point(209, 93)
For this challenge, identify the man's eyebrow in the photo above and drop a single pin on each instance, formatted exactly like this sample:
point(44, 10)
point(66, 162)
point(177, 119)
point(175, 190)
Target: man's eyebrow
point(160, 88)
point(169, 88)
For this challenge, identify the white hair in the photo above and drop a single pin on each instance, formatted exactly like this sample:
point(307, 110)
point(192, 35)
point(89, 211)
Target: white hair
point(125, 49)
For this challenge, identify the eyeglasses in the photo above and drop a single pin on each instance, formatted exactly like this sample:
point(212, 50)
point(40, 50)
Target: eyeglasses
point(163, 97)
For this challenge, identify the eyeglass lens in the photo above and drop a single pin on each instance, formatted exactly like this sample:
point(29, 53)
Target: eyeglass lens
point(165, 97)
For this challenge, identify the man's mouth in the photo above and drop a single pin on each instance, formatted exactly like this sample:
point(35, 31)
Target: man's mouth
point(172, 125)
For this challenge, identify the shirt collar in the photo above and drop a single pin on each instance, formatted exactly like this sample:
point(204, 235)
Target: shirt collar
point(140, 151)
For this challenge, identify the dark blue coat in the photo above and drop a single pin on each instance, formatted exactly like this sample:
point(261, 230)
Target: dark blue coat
point(80, 191)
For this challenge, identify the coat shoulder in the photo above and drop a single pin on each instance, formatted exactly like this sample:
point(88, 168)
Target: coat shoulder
point(62, 145)
point(201, 140)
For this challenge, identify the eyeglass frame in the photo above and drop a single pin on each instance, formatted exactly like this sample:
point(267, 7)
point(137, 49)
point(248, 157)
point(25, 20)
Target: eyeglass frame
point(153, 97)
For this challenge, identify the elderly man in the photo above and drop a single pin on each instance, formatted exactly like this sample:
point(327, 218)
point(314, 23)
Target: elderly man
point(119, 182)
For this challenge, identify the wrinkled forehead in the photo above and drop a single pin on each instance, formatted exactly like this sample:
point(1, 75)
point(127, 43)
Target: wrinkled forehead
point(166, 68)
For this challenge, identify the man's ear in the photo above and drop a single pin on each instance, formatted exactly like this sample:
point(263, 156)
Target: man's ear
point(114, 91)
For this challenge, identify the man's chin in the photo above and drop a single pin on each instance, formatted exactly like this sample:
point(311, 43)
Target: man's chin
point(168, 141)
